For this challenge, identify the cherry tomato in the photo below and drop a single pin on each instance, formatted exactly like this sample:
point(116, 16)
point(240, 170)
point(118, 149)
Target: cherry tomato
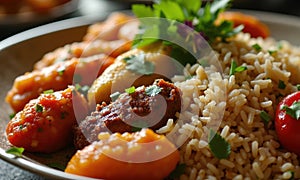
point(287, 127)
point(45, 124)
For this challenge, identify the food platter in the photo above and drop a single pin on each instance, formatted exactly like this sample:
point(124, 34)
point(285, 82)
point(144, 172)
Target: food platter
point(18, 53)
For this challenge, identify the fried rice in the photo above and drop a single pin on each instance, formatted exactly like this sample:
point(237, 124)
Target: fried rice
point(231, 104)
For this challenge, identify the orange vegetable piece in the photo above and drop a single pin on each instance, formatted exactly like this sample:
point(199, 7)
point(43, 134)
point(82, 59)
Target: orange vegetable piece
point(45, 124)
point(56, 77)
point(141, 155)
point(251, 24)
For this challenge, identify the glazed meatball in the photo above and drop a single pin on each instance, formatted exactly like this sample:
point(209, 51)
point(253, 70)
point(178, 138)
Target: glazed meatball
point(149, 107)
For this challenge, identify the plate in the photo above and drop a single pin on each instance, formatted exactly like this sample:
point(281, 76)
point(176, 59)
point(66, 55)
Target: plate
point(18, 54)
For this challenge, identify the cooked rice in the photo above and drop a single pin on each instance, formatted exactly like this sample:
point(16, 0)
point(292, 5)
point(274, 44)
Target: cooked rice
point(231, 105)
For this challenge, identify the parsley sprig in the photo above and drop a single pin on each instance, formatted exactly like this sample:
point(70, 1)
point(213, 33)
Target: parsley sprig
point(265, 117)
point(220, 148)
point(190, 13)
point(293, 110)
point(185, 21)
point(153, 90)
point(17, 151)
point(234, 68)
point(139, 64)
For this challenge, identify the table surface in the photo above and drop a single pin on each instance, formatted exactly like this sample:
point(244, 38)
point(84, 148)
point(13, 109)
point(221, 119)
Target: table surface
point(94, 7)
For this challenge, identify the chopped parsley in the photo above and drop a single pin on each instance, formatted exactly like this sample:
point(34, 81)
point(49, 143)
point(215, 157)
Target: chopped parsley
point(298, 87)
point(183, 22)
point(281, 85)
point(63, 115)
point(17, 151)
point(114, 96)
point(130, 90)
point(293, 110)
point(50, 91)
point(279, 45)
point(292, 174)
point(139, 64)
point(272, 52)
point(257, 47)
point(82, 89)
point(12, 115)
point(265, 117)
point(21, 126)
point(177, 172)
point(153, 90)
point(234, 68)
point(39, 108)
point(218, 145)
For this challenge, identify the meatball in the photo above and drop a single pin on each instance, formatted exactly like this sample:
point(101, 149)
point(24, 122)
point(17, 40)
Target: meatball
point(149, 107)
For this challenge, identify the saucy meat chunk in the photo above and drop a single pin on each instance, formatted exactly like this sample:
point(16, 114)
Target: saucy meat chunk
point(144, 107)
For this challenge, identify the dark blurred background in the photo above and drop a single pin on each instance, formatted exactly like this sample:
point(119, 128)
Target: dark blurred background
point(100, 7)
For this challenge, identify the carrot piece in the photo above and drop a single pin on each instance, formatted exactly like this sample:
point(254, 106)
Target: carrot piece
point(140, 155)
point(252, 25)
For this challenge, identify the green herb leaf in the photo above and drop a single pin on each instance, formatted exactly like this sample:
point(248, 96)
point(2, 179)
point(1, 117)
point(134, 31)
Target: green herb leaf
point(50, 91)
point(218, 145)
point(114, 96)
point(82, 89)
point(17, 151)
point(234, 68)
point(218, 6)
point(141, 10)
point(265, 117)
point(292, 175)
point(257, 47)
point(39, 108)
point(20, 127)
point(298, 87)
point(293, 110)
point(272, 52)
point(178, 171)
point(12, 115)
point(130, 90)
point(191, 6)
point(153, 90)
point(190, 13)
point(56, 165)
point(281, 85)
point(240, 69)
point(171, 10)
point(63, 115)
point(138, 64)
